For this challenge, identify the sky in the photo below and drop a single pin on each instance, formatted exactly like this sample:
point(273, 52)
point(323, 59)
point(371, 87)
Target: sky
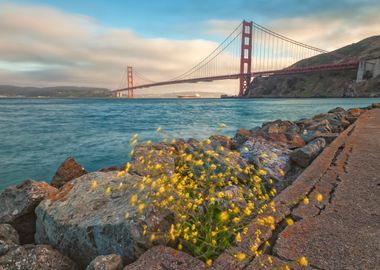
point(89, 43)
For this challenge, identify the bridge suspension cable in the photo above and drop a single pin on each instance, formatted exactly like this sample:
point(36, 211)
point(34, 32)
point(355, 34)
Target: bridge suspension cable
point(249, 50)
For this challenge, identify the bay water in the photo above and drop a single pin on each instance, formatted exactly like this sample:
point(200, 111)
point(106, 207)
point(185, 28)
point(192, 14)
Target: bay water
point(36, 135)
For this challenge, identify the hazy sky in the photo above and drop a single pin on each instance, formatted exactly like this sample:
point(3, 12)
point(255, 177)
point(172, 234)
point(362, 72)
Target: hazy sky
point(89, 43)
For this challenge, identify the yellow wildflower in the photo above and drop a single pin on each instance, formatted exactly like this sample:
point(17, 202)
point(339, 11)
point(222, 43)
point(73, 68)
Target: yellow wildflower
point(319, 197)
point(133, 200)
point(289, 221)
point(306, 200)
point(141, 207)
point(238, 238)
point(303, 261)
point(223, 216)
point(94, 184)
point(240, 256)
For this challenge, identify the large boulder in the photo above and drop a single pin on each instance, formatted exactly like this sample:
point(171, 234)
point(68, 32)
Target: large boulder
point(337, 110)
point(164, 258)
point(147, 156)
point(268, 156)
point(286, 133)
point(31, 257)
point(222, 140)
point(305, 155)
point(106, 262)
point(67, 171)
point(8, 238)
point(17, 204)
point(92, 215)
point(241, 136)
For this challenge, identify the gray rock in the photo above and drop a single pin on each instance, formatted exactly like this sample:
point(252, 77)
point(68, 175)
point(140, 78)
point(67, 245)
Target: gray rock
point(85, 221)
point(67, 171)
point(305, 155)
point(266, 155)
point(107, 262)
point(164, 258)
point(17, 204)
point(309, 135)
point(375, 105)
point(224, 141)
point(150, 154)
point(322, 126)
point(241, 136)
point(337, 110)
point(31, 257)
point(8, 238)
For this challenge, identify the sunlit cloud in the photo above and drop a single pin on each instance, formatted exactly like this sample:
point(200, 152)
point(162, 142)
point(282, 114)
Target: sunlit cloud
point(42, 43)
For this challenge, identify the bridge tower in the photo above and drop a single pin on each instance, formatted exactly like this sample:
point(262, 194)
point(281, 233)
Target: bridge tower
point(130, 81)
point(245, 57)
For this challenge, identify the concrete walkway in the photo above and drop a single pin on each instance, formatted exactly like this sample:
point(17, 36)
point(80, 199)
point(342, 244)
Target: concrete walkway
point(343, 231)
point(340, 226)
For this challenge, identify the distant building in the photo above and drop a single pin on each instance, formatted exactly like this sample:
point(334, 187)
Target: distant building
point(367, 69)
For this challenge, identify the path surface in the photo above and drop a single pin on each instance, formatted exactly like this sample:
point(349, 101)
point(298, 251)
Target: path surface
point(343, 231)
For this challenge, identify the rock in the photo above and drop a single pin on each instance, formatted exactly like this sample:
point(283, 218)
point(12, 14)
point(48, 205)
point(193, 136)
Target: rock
point(108, 262)
point(110, 169)
point(375, 105)
point(94, 217)
point(279, 127)
point(286, 132)
point(322, 126)
point(266, 155)
point(240, 137)
point(31, 257)
point(67, 171)
point(147, 155)
point(221, 140)
point(305, 155)
point(356, 112)
point(337, 110)
point(17, 204)
point(8, 238)
point(164, 258)
point(309, 135)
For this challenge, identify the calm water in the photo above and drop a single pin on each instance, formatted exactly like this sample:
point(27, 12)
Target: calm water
point(36, 135)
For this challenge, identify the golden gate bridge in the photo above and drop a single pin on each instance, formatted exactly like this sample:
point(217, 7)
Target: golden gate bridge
point(250, 51)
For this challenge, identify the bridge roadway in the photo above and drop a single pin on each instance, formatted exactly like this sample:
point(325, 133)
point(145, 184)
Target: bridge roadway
point(286, 71)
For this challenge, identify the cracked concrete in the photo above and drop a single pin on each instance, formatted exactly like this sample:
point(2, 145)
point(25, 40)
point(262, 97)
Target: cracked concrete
point(346, 232)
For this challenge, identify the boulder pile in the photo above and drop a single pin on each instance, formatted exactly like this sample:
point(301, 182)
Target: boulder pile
point(86, 221)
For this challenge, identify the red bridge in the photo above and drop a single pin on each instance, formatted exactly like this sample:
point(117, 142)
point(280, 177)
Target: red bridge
point(250, 51)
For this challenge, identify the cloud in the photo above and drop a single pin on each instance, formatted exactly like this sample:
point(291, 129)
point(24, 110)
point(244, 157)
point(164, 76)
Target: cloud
point(45, 46)
point(220, 28)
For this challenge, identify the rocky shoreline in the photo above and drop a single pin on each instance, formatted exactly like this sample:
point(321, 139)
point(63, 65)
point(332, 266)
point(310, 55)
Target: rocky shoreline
point(74, 224)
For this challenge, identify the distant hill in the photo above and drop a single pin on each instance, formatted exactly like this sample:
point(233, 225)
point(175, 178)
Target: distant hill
point(54, 92)
point(327, 83)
